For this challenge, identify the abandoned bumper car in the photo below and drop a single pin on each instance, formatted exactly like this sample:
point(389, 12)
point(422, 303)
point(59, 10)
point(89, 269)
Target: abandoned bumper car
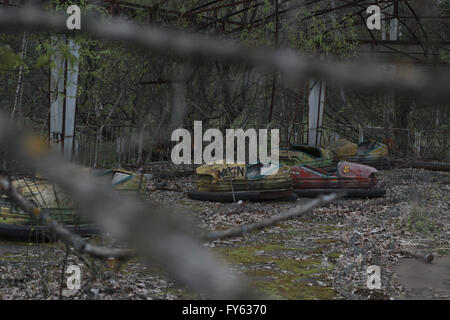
point(303, 154)
point(251, 182)
point(369, 152)
point(357, 180)
point(18, 225)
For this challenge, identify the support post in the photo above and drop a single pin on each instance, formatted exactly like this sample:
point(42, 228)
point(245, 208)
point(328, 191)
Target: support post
point(316, 102)
point(71, 99)
point(361, 133)
point(57, 83)
point(63, 96)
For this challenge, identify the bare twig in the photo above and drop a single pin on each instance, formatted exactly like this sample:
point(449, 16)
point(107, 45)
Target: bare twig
point(156, 234)
point(100, 130)
point(294, 65)
point(64, 234)
point(293, 213)
point(19, 88)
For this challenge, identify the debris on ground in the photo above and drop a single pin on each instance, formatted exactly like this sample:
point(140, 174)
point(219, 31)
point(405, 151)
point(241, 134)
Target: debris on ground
point(323, 255)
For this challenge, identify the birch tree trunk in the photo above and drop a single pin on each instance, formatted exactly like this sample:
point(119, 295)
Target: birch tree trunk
point(19, 88)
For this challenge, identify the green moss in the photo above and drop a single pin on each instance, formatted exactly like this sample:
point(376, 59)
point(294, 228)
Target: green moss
point(314, 251)
point(248, 254)
point(334, 255)
point(292, 287)
point(292, 233)
point(9, 256)
point(261, 273)
point(180, 294)
point(97, 239)
point(326, 241)
point(284, 226)
point(299, 267)
point(291, 278)
point(329, 228)
point(16, 243)
point(296, 283)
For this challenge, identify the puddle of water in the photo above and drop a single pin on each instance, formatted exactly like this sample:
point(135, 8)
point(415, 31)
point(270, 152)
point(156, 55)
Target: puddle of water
point(432, 280)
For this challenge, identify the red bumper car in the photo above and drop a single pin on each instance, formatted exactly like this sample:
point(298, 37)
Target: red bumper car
point(357, 180)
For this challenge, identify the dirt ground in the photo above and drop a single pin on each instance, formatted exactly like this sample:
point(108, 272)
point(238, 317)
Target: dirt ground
point(323, 255)
point(424, 280)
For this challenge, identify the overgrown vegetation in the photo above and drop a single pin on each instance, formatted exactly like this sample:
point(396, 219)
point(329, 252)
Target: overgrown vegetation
point(220, 94)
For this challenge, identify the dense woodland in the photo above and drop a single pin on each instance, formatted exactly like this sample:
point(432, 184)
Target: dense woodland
point(158, 242)
point(131, 92)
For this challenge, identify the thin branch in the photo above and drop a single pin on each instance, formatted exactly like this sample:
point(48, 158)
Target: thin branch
point(293, 213)
point(294, 65)
point(158, 235)
point(100, 130)
point(64, 234)
point(19, 88)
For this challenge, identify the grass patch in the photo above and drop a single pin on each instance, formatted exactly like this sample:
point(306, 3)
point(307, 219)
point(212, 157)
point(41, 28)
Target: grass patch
point(290, 279)
point(299, 267)
point(298, 283)
point(248, 254)
point(419, 219)
point(329, 228)
point(288, 287)
point(326, 241)
point(334, 255)
point(261, 273)
point(284, 226)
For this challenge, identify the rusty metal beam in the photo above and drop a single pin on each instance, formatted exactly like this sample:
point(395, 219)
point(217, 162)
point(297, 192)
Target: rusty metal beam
point(401, 50)
point(290, 9)
point(216, 8)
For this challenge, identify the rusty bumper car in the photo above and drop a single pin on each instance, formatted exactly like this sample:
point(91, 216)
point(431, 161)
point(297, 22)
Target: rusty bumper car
point(370, 152)
point(18, 225)
point(246, 182)
point(298, 154)
point(357, 180)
